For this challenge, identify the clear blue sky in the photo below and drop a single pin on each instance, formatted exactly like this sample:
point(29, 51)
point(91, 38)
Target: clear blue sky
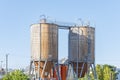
point(16, 16)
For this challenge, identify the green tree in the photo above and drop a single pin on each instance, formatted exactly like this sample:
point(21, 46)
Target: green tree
point(109, 72)
point(99, 71)
point(104, 72)
point(15, 75)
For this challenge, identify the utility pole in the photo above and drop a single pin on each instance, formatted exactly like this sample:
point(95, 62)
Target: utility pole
point(6, 63)
point(1, 64)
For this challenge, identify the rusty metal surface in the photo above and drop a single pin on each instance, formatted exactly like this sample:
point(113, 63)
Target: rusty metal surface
point(84, 71)
point(47, 72)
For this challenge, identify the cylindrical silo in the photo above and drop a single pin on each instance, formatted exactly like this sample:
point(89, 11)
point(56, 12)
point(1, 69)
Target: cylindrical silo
point(44, 46)
point(81, 47)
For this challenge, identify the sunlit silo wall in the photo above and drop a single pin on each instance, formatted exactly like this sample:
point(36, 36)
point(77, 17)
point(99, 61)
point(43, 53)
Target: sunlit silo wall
point(44, 42)
point(44, 47)
point(81, 44)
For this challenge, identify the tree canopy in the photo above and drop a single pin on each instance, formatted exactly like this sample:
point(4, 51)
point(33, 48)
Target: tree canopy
point(104, 72)
point(15, 75)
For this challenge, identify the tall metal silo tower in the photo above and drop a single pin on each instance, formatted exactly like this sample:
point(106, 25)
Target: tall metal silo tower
point(82, 50)
point(44, 50)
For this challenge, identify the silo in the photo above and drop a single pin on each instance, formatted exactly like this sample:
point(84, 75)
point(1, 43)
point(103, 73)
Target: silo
point(81, 48)
point(44, 47)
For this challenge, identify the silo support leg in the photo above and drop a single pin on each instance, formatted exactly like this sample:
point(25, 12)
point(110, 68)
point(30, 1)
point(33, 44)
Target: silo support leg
point(30, 69)
point(95, 74)
point(34, 71)
point(43, 68)
point(88, 72)
point(93, 71)
point(57, 71)
point(68, 71)
point(82, 69)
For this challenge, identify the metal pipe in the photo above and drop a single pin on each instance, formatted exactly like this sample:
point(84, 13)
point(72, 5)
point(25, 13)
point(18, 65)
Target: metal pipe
point(6, 63)
point(56, 70)
point(69, 63)
point(1, 64)
point(68, 53)
point(34, 70)
point(39, 56)
point(57, 57)
point(95, 74)
point(92, 69)
point(59, 78)
point(82, 69)
point(64, 27)
point(77, 54)
point(88, 71)
point(43, 68)
point(30, 69)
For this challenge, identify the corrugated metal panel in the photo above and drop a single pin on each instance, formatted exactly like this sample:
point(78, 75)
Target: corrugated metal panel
point(44, 42)
point(78, 44)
